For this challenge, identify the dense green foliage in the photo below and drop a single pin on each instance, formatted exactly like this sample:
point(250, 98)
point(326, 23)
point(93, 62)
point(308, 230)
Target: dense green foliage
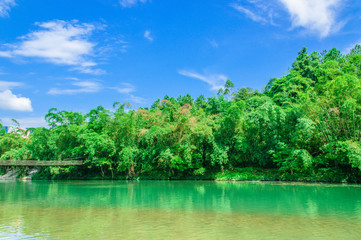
point(305, 125)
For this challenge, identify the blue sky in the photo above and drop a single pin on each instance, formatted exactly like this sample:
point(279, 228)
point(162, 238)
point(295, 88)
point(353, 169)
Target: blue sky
point(76, 55)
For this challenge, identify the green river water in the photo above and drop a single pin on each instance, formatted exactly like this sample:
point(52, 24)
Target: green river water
point(178, 210)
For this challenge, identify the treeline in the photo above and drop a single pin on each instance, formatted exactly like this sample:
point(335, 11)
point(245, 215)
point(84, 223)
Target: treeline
point(305, 125)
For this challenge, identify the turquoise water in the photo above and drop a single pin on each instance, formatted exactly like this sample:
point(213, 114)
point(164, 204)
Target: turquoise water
point(178, 210)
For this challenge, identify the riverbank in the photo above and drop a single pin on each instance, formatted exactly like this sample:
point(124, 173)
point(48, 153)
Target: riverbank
point(19, 173)
point(238, 174)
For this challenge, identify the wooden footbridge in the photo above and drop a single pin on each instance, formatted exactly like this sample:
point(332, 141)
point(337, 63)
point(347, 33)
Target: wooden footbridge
point(40, 163)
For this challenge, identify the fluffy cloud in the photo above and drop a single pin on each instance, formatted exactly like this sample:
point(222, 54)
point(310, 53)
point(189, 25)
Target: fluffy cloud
point(9, 101)
point(58, 42)
point(216, 81)
point(5, 6)
point(130, 3)
point(147, 35)
point(82, 87)
point(316, 16)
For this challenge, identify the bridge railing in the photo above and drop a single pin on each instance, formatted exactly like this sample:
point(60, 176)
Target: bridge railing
point(40, 163)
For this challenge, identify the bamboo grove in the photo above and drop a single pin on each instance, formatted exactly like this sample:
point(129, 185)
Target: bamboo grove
point(305, 125)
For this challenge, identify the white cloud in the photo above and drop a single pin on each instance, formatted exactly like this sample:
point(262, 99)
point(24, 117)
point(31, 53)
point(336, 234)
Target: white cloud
point(216, 81)
point(147, 35)
point(9, 101)
point(92, 86)
point(5, 54)
point(136, 99)
point(317, 16)
point(5, 6)
point(58, 42)
point(249, 13)
point(82, 87)
point(72, 78)
point(130, 3)
point(126, 89)
point(26, 122)
point(4, 85)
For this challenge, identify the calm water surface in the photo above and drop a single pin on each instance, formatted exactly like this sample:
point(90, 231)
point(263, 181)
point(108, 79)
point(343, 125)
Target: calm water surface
point(178, 210)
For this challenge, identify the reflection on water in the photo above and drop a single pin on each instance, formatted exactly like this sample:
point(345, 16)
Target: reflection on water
point(178, 210)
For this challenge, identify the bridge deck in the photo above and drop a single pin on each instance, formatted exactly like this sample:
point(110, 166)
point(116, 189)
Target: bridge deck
point(37, 163)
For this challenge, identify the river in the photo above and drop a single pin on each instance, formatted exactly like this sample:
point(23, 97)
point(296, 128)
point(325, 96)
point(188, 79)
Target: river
point(178, 210)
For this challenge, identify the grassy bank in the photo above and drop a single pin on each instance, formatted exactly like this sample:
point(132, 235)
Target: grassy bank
point(238, 174)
